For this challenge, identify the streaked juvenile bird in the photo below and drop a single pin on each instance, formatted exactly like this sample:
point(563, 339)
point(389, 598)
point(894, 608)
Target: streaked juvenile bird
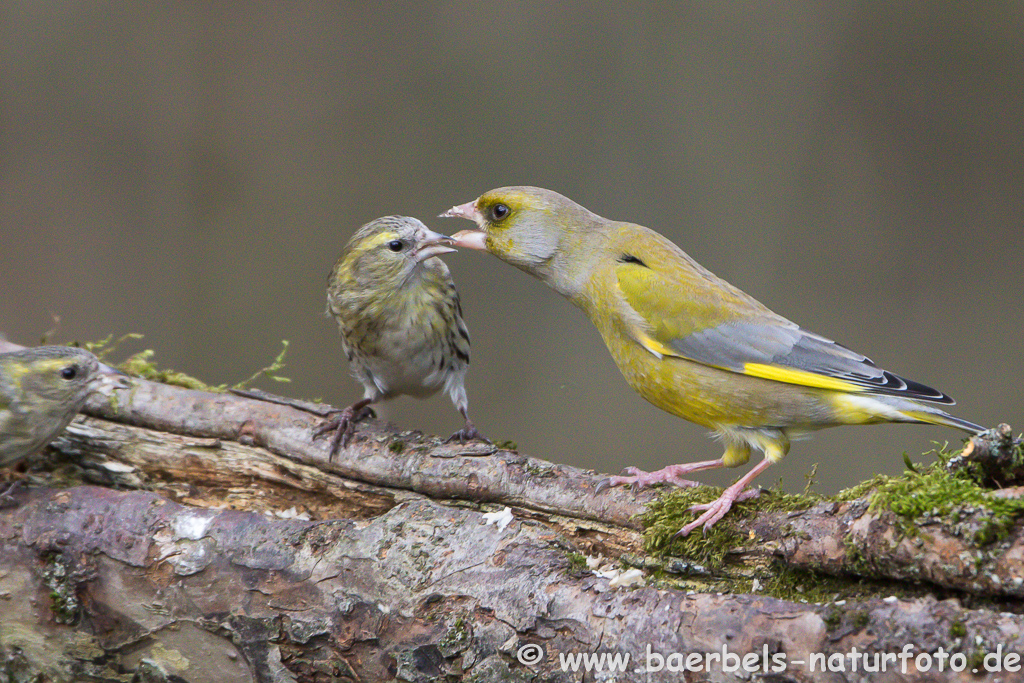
point(691, 343)
point(400, 320)
point(41, 391)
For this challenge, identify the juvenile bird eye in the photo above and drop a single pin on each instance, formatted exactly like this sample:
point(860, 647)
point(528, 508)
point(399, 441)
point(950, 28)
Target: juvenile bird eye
point(395, 245)
point(499, 211)
point(70, 372)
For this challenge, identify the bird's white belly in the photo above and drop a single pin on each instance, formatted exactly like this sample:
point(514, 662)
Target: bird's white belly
point(418, 374)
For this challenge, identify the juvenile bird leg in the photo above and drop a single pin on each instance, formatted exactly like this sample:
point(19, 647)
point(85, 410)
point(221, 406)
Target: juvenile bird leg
point(735, 493)
point(343, 425)
point(467, 433)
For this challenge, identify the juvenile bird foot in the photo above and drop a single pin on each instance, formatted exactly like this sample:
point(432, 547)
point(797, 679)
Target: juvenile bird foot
point(716, 510)
point(467, 433)
point(343, 425)
point(638, 479)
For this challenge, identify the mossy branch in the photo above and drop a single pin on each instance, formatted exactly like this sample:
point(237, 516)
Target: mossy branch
point(793, 572)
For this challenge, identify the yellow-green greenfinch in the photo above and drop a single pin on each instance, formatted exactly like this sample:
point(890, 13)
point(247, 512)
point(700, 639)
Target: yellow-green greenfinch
point(691, 343)
point(400, 319)
point(41, 391)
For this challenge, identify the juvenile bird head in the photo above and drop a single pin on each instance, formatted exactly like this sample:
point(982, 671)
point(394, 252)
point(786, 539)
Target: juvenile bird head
point(387, 251)
point(536, 230)
point(50, 376)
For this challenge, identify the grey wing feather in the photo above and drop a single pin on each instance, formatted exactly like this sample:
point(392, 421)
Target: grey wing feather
point(781, 342)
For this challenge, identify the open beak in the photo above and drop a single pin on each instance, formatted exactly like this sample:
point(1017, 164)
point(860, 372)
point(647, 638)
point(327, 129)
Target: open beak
point(467, 211)
point(432, 244)
point(469, 239)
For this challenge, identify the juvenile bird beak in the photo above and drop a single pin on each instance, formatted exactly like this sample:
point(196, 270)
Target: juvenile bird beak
point(467, 211)
point(431, 244)
point(471, 239)
point(111, 378)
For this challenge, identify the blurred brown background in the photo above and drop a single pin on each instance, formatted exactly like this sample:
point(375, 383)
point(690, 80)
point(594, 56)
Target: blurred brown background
point(191, 170)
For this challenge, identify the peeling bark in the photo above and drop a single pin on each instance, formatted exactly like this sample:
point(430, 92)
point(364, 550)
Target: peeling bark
point(97, 581)
point(397, 576)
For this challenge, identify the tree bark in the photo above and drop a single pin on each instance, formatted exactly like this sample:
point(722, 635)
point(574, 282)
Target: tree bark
point(217, 543)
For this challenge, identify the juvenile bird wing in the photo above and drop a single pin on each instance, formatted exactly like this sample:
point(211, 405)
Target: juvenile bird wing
point(683, 310)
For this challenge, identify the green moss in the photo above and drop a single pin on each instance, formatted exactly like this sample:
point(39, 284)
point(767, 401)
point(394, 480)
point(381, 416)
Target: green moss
point(270, 370)
point(456, 639)
point(921, 493)
point(396, 446)
point(507, 445)
point(106, 346)
point(540, 471)
point(142, 365)
point(65, 607)
point(860, 619)
point(856, 563)
point(958, 629)
point(577, 563)
point(671, 512)
point(801, 585)
point(59, 578)
point(833, 618)
point(996, 462)
point(932, 491)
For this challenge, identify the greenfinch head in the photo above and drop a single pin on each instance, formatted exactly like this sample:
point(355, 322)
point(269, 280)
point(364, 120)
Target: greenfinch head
point(536, 230)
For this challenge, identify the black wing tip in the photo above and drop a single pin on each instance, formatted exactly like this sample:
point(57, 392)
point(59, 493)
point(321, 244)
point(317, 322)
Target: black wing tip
point(908, 388)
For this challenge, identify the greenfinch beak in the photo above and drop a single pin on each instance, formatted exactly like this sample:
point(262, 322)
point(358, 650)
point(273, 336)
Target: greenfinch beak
point(431, 244)
point(471, 239)
point(467, 211)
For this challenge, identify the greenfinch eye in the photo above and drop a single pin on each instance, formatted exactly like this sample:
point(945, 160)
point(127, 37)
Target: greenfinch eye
point(499, 211)
point(395, 245)
point(69, 373)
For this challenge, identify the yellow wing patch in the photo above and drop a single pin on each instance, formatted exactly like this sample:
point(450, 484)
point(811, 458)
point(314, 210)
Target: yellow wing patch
point(654, 346)
point(801, 377)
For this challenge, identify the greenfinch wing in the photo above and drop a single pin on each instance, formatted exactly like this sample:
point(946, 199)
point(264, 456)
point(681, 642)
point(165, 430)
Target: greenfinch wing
point(728, 330)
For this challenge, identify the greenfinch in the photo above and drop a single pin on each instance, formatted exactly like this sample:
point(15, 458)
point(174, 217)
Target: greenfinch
point(400, 320)
point(41, 391)
point(691, 343)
